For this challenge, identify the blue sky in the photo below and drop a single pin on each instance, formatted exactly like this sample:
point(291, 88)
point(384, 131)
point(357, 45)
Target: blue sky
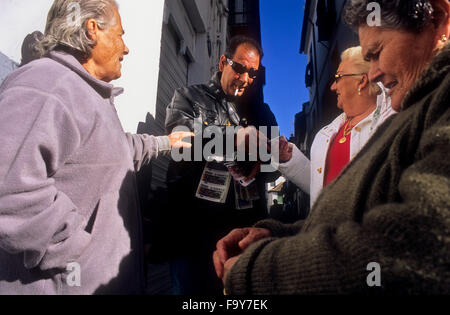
point(285, 91)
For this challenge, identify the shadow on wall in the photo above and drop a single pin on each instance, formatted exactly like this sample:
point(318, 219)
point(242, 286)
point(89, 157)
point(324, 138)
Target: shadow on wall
point(131, 267)
point(153, 198)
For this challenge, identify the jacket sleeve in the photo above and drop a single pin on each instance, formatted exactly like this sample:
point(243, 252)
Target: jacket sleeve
point(180, 112)
point(37, 220)
point(298, 170)
point(144, 148)
point(409, 239)
point(279, 229)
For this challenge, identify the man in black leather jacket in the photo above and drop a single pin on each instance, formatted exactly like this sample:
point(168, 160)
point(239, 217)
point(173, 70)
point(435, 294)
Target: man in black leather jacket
point(193, 224)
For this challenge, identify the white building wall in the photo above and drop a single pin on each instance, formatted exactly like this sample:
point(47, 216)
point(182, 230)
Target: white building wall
point(215, 18)
point(273, 195)
point(185, 59)
point(142, 22)
point(18, 18)
point(198, 22)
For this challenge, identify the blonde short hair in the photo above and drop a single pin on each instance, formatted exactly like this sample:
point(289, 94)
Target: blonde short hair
point(354, 54)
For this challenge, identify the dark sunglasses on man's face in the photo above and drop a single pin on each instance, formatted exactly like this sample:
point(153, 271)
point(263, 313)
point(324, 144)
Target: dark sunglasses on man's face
point(241, 69)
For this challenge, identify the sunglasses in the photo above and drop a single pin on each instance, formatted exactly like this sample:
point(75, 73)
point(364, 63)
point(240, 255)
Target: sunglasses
point(337, 77)
point(241, 69)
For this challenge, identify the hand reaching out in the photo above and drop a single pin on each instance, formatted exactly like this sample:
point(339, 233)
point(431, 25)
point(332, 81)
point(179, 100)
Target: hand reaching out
point(286, 150)
point(176, 138)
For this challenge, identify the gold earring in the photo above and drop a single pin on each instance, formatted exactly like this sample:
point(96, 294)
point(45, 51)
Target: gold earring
point(444, 38)
point(359, 91)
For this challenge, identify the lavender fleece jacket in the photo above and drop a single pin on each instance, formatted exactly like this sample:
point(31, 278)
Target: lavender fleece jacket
point(67, 183)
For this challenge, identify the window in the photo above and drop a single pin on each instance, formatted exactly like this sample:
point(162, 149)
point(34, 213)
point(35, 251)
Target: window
point(238, 12)
point(326, 18)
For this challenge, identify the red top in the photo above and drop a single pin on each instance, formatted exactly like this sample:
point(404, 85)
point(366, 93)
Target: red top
point(338, 157)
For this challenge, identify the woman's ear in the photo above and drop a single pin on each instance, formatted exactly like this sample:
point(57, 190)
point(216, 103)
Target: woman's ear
point(441, 18)
point(364, 82)
point(92, 29)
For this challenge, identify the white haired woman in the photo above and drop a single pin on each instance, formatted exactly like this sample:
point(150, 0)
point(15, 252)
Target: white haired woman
point(69, 216)
point(383, 226)
point(365, 106)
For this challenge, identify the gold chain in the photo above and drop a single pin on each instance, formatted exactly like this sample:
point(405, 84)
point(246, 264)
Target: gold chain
point(347, 131)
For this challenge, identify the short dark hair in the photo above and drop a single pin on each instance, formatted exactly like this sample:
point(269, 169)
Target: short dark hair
point(409, 15)
point(238, 40)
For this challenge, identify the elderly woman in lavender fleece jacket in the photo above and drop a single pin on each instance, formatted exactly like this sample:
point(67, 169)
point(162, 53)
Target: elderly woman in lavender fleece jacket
point(69, 216)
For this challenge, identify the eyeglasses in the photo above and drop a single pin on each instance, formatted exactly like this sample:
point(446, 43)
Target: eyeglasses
point(337, 76)
point(241, 69)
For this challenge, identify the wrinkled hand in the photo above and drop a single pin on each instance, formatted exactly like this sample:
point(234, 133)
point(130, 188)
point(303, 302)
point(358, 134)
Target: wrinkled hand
point(234, 244)
point(228, 266)
point(286, 150)
point(176, 139)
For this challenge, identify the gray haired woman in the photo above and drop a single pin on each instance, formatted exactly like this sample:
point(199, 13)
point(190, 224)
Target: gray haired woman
point(66, 25)
point(384, 225)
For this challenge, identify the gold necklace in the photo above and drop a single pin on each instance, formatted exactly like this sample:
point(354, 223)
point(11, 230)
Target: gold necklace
point(347, 132)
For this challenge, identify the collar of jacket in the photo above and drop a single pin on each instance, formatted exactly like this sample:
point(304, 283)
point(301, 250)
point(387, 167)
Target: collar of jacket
point(106, 90)
point(216, 91)
point(382, 110)
point(334, 127)
point(439, 68)
point(215, 88)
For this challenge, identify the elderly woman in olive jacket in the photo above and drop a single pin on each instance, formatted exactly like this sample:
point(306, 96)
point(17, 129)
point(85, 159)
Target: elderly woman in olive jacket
point(383, 226)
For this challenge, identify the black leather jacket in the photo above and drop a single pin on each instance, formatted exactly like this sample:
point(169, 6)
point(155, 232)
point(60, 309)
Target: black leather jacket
point(194, 221)
point(202, 105)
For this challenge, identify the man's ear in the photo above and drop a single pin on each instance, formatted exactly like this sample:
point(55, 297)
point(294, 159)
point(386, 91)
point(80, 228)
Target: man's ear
point(222, 63)
point(92, 29)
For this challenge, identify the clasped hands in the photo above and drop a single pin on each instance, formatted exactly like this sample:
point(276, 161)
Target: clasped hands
point(230, 248)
